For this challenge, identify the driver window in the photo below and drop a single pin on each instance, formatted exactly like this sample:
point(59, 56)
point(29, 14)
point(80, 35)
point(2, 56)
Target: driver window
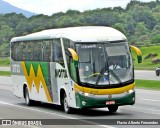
point(114, 63)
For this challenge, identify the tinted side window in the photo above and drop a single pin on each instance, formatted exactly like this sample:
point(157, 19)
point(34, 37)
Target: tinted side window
point(57, 52)
point(18, 51)
point(37, 52)
point(41, 50)
point(46, 50)
point(31, 50)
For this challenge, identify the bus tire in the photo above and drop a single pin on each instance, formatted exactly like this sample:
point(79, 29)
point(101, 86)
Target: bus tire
point(28, 101)
point(66, 108)
point(112, 109)
point(157, 73)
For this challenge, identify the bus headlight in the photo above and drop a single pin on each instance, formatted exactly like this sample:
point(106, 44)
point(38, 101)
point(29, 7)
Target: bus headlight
point(79, 92)
point(88, 94)
point(84, 93)
point(131, 91)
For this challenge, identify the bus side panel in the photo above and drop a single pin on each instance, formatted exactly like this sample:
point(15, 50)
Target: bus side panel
point(17, 82)
point(60, 80)
point(54, 84)
point(44, 81)
point(38, 80)
point(72, 95)
point(17, 78)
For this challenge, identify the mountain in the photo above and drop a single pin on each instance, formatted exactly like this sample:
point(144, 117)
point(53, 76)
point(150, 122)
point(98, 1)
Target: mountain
point(8, 8)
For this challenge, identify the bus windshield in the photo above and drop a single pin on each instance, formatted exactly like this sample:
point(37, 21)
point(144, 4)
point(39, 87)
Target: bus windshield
point(104, 64)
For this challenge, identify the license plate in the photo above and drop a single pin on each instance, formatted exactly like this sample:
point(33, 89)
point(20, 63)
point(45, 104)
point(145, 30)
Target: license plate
point(110, 102)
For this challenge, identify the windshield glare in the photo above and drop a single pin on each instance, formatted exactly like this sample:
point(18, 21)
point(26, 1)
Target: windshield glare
point(105, 63)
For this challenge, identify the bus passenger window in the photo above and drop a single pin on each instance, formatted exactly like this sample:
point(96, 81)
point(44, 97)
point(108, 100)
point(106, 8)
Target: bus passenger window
point(47, 55)
point(23, 51)
point(15, 51)
point(27, 55)
point(57, 52)
point(46, 51)
point(37, 53)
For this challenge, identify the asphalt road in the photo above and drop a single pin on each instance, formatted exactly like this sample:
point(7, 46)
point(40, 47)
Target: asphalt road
point(147, 106)
point(4, 68)
point(146, 75)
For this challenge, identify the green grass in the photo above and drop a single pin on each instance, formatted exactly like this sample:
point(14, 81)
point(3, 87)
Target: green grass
point(5, 73)
point(4, 62)
point(148, 84)
point(147, 64)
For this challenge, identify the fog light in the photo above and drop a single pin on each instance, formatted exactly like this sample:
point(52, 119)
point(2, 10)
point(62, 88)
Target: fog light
point(133, 99)
point(83, 103)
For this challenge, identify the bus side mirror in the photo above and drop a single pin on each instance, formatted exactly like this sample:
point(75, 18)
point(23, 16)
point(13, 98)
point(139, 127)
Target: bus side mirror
point(74, 64)
point(68, 53)
point(138, 52)
point(73, 54)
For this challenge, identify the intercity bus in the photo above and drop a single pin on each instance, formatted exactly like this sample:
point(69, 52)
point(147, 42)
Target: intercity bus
point(70, 67)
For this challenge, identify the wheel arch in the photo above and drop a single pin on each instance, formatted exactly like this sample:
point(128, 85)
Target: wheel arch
point(24, 86)
point(62, 92)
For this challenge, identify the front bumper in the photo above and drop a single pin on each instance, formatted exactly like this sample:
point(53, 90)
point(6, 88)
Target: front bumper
point(93, 101)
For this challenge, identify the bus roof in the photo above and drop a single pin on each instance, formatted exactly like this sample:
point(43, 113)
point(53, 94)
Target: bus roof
point(77, 34)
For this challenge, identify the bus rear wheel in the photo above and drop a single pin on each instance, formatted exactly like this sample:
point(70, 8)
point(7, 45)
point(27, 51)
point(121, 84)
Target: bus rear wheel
point(66, 108)
point(28, 101)
point(112, 109)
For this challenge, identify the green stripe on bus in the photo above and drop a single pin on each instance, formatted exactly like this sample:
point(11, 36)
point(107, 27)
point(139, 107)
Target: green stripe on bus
point(44, 67)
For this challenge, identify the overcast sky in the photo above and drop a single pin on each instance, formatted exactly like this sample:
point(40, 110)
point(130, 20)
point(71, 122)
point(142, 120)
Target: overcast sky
point(49, 7)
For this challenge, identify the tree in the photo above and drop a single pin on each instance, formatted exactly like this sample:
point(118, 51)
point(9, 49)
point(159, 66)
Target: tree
point(144, 39)
point(6, 33)
point(121, 27)
point(156, 39)
point(141, 29)
point(143, 14)
point(13, 19)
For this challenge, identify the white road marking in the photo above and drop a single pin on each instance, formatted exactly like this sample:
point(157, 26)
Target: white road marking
point(68, 117)
point(148, 90)
point(149, 100)
point(153, 110)
point(36, 110)
point(143, 110)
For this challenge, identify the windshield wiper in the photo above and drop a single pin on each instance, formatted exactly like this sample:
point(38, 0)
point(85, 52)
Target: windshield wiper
point(87, 84)
point(99, 77)
point(109, 72)
point(102, 72)
point(115, 76)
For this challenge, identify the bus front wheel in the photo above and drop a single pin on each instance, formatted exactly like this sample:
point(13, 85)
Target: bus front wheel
point(112, 108)
point(66, 108)
point(27, 99)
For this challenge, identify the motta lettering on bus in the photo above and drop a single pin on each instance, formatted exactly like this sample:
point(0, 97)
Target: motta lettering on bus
point(61, 73)
point(15, 68)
